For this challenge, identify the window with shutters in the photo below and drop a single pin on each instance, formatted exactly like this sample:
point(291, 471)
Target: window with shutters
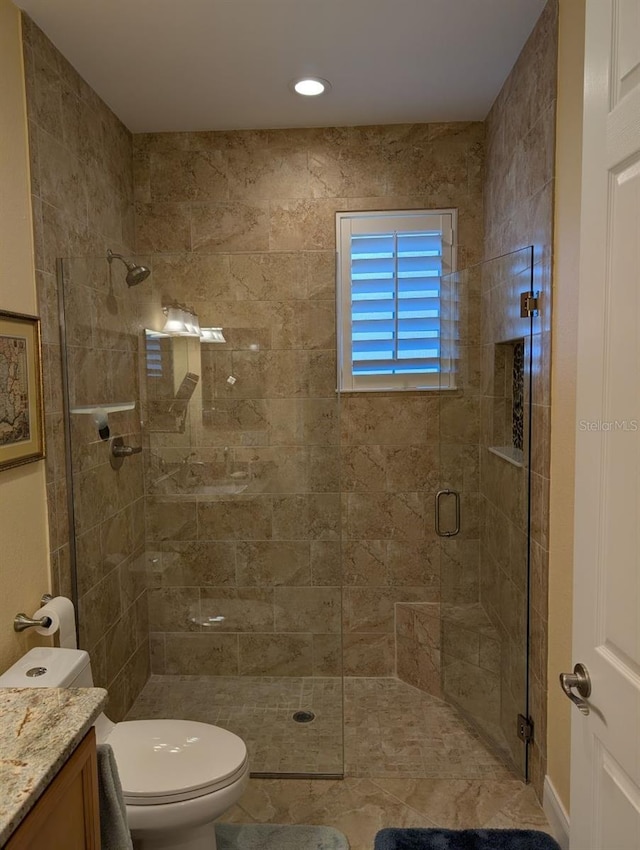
point(393, 315)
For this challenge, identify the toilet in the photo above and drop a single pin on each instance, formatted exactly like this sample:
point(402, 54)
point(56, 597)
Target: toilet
point(177, 776)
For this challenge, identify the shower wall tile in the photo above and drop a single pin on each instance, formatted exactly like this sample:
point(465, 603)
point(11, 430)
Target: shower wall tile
point(369, 654)
point(230, 226)
point(308, 609)
point(302, 224)
point(201, 654)
point(309, 517)
point(156, 652)
point(518, 211)
point(177, 176)
point(326, 568)
point(345, 171)
point(245, 518)
point(185, 277)
point(418, 633)
point(133, 579)
point(82, 187)
point(168, 519)
point(314, 474)
point(244, 609)
point(273, 563)
point(275, 655)
point(162, 227)
point(386, 515)
point(327, 654)
point(371, 609)
point(99, 609)
point(192, 564)
point(269, 173)
point(174, 609)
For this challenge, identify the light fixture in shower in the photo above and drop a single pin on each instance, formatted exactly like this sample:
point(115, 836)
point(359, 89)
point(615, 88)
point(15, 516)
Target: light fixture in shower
point(184, 322)
point(181, 322)
point(135, 274)
point(212, 335)
point(311, 86)
point(175, 325)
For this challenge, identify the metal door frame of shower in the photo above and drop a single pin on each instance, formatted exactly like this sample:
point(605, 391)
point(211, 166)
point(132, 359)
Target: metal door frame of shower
point(68, 460)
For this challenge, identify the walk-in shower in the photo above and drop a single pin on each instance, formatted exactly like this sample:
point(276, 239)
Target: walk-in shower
point(273, 553)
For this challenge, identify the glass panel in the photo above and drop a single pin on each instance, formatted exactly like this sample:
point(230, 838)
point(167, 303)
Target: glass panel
point(484, 462)
point(211, 560)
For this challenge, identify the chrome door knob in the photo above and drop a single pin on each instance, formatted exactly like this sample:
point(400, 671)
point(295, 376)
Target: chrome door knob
point(581, 681)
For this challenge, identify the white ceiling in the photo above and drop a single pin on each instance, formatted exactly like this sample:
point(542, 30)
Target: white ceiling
point(170, 65)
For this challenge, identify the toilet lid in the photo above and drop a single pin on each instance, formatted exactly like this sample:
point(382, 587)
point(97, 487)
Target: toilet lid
point(164, 761)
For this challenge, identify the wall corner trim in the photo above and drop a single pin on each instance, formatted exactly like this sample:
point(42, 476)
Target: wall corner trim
point(556, 814)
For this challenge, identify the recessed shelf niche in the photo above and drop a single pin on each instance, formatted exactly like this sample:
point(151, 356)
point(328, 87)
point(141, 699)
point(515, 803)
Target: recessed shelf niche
point(508, 401)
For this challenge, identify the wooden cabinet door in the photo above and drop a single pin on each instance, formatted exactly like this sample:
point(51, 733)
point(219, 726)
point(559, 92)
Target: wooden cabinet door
point(66, 817)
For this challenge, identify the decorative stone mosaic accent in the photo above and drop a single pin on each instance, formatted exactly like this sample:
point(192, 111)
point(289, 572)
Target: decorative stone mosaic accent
point(517, 398)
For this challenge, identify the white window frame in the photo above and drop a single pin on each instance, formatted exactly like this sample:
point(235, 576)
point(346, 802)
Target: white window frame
point(350, 223)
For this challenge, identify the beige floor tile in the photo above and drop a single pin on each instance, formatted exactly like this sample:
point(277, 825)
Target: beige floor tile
point(360, 807)
point(391, 729)
point(411, 760)
point(357, 807)
point(454, 803)
point(523, 812)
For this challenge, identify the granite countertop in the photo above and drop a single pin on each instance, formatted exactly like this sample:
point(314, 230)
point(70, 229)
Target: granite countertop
point(39, 729)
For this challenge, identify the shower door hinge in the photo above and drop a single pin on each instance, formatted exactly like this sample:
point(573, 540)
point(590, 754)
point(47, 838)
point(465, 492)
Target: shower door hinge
point(529, 304)
point(525, 728)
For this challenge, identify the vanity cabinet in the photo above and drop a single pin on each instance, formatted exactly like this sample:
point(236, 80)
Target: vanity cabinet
point(66, 817)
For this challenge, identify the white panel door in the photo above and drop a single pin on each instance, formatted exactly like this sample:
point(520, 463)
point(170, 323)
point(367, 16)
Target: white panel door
point(605, 752)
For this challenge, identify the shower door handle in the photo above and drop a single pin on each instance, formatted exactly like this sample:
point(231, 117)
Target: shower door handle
point(456, 496)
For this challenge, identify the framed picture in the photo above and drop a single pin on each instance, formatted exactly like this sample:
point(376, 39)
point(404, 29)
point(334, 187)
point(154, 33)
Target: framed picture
point(21, 407)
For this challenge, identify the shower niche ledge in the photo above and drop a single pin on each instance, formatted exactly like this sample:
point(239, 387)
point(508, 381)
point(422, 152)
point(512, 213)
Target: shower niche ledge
point(509, 453)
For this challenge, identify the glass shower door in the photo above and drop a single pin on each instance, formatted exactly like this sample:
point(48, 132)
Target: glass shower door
point(483, 503)
point(229, 589)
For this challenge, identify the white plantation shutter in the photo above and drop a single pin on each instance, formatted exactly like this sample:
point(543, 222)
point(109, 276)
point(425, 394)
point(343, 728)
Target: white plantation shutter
point(390, 300)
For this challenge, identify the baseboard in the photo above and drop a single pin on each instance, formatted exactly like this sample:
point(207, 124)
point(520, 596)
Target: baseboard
point(556, 814)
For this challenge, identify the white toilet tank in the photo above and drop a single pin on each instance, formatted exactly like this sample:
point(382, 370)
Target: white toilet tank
point(53, 667)
point(50, 667)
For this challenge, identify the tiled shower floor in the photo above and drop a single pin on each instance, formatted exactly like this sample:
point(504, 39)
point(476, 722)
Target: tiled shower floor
point(390, 728)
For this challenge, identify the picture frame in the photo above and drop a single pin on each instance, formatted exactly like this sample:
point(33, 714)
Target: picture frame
point(21, 394)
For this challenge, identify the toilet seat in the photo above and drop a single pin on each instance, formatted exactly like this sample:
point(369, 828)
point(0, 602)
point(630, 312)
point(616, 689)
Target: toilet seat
point(168, 761)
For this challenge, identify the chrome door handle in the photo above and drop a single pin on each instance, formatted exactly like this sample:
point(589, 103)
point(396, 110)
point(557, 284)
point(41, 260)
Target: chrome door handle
point(581, 681)
point(439, 495)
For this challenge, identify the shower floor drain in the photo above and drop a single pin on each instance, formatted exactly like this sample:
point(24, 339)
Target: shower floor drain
point(304, 716)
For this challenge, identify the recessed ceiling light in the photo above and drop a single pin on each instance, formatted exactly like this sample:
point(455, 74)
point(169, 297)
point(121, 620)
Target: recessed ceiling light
point(311, 86)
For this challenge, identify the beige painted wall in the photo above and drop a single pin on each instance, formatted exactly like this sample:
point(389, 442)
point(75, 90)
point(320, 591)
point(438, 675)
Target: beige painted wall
point(24, 566)
point(563, 376)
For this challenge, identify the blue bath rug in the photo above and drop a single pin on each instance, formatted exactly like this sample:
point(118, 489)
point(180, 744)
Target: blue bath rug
point(272, 836)
point(464, 839)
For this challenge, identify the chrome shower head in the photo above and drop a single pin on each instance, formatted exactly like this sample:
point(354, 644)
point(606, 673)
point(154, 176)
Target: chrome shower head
point(135, 274)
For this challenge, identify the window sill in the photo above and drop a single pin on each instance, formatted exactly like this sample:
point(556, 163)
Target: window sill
point(398, 390)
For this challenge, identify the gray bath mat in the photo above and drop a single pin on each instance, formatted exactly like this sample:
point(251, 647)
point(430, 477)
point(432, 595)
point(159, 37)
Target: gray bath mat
point(464, 839)
point(272, 836)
